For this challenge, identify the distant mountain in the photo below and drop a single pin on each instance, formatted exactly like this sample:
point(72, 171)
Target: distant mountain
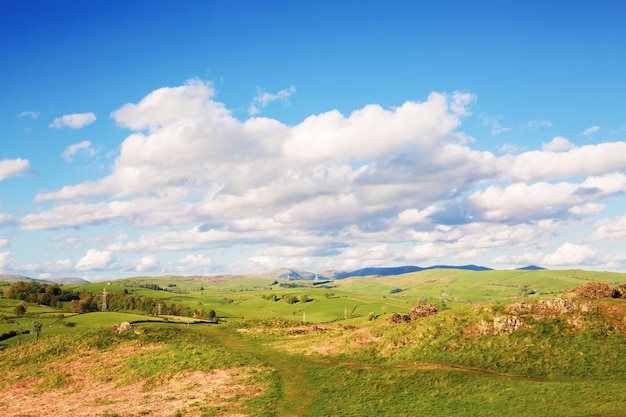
point(59, 280)
point(476, 268)
point(289, 273)
point(15, 278)
point(68, 280)
point(530, 268)
point(399, 270)
point(383, 271)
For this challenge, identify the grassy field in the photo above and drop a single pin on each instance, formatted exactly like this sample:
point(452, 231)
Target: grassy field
point(333, 355)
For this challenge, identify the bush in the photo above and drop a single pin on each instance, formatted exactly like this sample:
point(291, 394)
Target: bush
point(20, 309)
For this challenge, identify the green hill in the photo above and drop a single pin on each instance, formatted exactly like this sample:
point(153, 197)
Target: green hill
point(494, 343)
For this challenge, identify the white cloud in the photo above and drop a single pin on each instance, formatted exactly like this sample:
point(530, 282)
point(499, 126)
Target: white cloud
point(5, 219)
point(84, 147)
point(586, 160)
point(194, 148)
point(194, 264)
point(13, 167)
point(364, 257)
point(29, 113)
point(263, 99)
point(494, 124)
point(147, 263)
point(515, 261)
point(374, 132)
point(411, 216)
point(591, 130)
point(63, 265)
point(73, 121)
point(507, 148)
point(4, 259)
point(587, 209)
point(521, 202)
point(558, 144)
point(612, 230)
point(536, 124)
point(94, 260)
point(4, 243)
point(190, 177)
point(569, 255)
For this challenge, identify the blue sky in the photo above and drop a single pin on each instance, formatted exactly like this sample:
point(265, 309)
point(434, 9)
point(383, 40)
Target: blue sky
point(207, 137)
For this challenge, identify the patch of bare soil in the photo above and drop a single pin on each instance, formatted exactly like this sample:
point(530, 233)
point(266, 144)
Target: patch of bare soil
point(85, 393)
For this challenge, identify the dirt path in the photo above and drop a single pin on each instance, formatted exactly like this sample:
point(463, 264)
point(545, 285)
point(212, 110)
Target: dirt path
point(296, 394)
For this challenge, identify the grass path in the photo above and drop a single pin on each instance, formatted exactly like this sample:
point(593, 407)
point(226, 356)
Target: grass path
point(295, 394)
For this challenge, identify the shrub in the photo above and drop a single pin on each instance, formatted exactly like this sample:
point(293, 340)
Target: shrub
point(20, 309)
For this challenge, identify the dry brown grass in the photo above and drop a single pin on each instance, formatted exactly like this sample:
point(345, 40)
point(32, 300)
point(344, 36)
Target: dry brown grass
point(84, 390)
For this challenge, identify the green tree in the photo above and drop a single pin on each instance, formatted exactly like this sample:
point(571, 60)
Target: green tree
point(20, 309)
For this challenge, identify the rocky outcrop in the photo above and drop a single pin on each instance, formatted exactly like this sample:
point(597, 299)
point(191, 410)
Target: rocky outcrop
point(501, 324)
point(516, 316)
point(414, 314)
point(599, 290)
point(123, 327)
point(550, 308)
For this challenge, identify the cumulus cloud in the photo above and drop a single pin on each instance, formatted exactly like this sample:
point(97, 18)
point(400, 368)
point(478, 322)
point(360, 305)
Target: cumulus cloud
point(194, 263)
point(147, 263)
point(263, 99)
point(569, 255)
point(404, 180)
point(94, 260)
point(83, 147)
point(374, 132)
point(73, 121)
point(521, 202)
point(586, 160)
point(13, 167)
point(558, 144)
point(4, 243)
point(612, 230)
point(189, 146)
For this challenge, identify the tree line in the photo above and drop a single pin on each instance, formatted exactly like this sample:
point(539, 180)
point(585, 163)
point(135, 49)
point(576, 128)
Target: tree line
point(84, 302)
point(43, 294)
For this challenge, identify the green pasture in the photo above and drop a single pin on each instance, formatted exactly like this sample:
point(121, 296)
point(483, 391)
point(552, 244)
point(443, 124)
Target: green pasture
point(435, 366)
point(476, 286)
